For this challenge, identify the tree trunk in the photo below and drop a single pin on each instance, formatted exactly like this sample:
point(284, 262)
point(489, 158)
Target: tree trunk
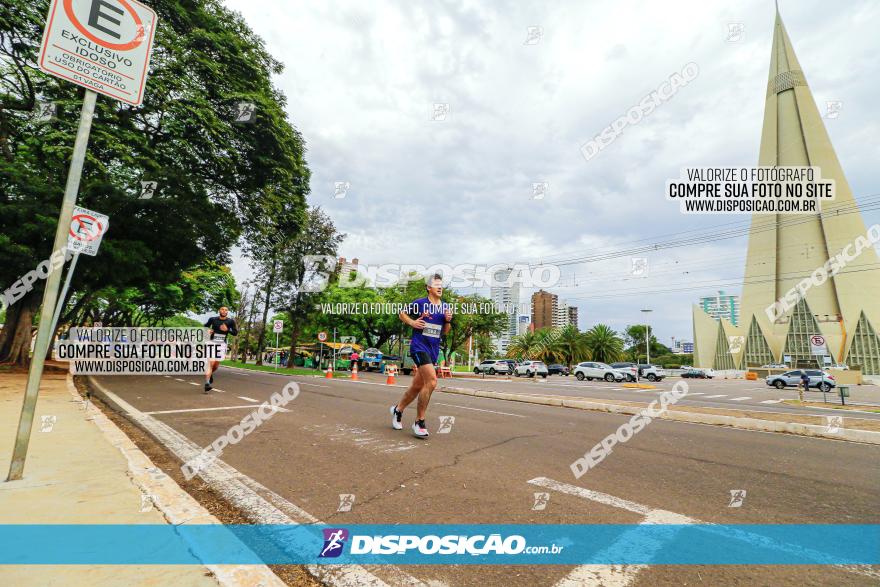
point(269, 284)
point(294, 337)
point(17, 333)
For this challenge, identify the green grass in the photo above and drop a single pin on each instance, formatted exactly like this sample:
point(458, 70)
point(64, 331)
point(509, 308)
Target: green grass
point(271, 368)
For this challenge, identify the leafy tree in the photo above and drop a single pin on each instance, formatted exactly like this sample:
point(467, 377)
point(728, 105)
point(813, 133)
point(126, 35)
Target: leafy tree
point(635, 343)
point(215, 177)
point(571, 346)
point(604, 344)
point(320, 241)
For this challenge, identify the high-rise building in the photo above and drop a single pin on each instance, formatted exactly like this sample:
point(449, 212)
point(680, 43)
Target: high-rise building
point(560, 316)
point(506, 298)
point(843, 310)
point(722, 306)
point(573, 316)
point(543, 309)
point(522, 324)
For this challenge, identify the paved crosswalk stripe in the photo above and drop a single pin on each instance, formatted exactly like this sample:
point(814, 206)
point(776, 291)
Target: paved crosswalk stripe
point(714, 396)
point(248, 399)
point(739, 399)
point(772, 401)
point(623, 575)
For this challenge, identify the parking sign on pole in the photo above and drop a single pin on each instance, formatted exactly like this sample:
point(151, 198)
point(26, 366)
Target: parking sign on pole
point(101, 45)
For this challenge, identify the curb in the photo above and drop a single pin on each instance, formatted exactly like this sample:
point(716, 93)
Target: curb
point(176, 505)
point(816, 431)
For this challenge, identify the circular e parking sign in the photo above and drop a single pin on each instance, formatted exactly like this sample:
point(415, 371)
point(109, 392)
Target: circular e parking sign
point(102, 45)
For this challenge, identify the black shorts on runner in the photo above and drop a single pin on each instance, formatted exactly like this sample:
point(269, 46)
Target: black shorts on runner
point(421, 358)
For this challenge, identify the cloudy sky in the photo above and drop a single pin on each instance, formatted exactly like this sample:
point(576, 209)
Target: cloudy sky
point(362, 79)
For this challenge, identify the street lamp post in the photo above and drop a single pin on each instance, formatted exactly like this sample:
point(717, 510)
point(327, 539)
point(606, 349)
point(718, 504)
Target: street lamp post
point(647, 338)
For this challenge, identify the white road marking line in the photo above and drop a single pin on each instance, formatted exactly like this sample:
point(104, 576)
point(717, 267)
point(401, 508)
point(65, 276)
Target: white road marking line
point(619, 575)
point(698, 393)
point(312, 384)
point(596, 496)
point(254, 499)
point(192, 383)
point(249, 399)
point(179, 379)
point(612, 575)
point(218, 390)
point(400, 448)
point(739, 399)
point(772, 401)
point(481, 410)
point(247, 407)
point(714, 396)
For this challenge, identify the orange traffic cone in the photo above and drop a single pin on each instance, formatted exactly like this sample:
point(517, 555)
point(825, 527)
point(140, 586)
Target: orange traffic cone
point(329, 374)
point(392, 371)
point(354, 372)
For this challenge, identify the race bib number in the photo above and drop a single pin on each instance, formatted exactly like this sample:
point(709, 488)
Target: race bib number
point(431, 330)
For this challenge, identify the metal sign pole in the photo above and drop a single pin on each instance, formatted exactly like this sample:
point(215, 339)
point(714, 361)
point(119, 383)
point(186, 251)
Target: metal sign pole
point(60, 305)
point(50, 295)
point(277, 354)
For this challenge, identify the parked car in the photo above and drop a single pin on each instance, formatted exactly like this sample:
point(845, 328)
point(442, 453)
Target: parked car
point(628, 369)
point(590, 371)
point(531, 368)
point(557, 369)
point(651, 372)
point(511, 364)
point(818, 379)
point(695, 373)
point(492, 367)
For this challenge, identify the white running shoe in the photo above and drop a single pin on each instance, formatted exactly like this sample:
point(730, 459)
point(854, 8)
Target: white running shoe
point(395, 418)
point(419, 429)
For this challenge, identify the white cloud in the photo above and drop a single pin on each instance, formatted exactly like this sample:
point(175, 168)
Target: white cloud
point(361, 81)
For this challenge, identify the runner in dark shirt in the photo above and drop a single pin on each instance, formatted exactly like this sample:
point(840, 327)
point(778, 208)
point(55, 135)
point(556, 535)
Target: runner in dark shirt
point(219, 328)
point(434, 319)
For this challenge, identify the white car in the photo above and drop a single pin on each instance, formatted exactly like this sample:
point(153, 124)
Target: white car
point(530, 369)
point(492, 367)
point(590, 371)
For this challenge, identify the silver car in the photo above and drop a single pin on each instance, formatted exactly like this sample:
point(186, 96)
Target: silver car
point(492, 367)
point(590, 371)
point(530, 369)
point(818, 379)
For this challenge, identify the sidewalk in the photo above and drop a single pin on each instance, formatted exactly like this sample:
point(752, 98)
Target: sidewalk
point(81, 469)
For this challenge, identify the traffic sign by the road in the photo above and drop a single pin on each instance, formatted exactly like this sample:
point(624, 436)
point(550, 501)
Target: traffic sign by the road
point(347, 339)
point(817, 345)
point(87, 228)
point(102, 45)
point(277, 325)
point(322, 336)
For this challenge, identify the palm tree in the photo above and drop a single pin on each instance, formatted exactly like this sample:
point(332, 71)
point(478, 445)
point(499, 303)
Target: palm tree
point(546, 348)
point(604, 343)
point(522, 346)
point(571, 346)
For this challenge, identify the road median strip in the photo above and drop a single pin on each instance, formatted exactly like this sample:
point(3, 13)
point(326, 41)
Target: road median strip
point(869, 431)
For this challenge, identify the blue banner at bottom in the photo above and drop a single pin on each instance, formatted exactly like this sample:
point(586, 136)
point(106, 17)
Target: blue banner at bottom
point(672, 544)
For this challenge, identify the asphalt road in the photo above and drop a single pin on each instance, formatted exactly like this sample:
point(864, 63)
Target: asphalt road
point(336, 439)
point(714, 393)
